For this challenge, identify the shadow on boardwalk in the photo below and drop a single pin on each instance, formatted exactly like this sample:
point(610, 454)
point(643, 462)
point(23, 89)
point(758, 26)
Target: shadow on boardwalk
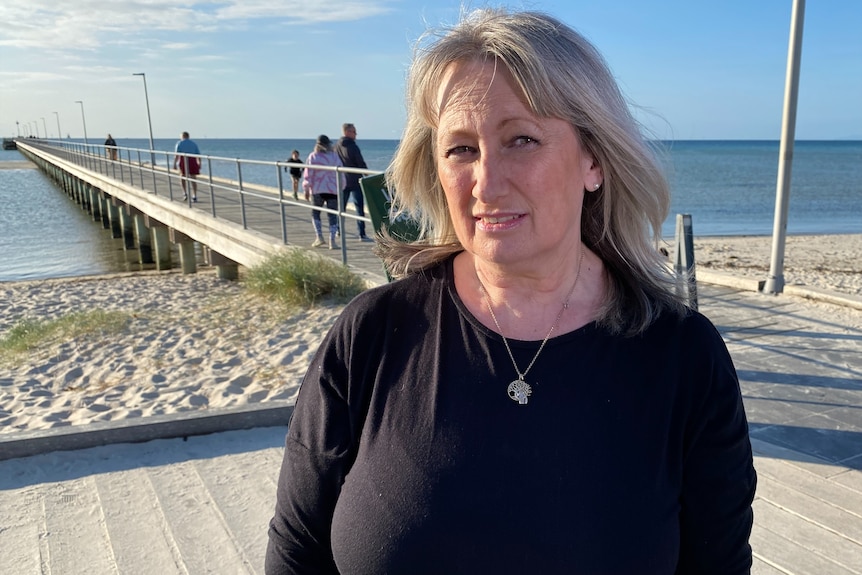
point(202, 504)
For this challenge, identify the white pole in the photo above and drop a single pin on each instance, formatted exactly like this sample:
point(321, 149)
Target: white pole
point(83, 121)
point(149, 121)
point(775, 280)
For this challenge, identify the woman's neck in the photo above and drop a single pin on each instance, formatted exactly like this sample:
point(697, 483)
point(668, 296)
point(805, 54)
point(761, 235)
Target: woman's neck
point(526, 305)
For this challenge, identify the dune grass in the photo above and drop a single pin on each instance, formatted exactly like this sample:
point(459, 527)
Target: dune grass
point(298, 278)
point(32, 333)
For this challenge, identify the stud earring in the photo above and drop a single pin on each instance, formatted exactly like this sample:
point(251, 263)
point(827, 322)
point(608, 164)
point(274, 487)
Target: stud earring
point(596, 186)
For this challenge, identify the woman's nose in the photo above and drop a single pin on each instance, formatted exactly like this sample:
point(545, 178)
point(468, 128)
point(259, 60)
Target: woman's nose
point(489, 177)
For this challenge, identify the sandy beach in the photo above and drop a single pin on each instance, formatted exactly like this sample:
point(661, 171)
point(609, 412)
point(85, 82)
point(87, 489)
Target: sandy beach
point(830, 262)
point(194, 342)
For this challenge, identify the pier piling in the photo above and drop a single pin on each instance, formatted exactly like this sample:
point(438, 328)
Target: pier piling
point(161, 247)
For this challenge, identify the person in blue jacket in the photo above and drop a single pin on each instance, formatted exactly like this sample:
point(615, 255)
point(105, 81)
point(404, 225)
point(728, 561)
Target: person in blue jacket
point(189, 165)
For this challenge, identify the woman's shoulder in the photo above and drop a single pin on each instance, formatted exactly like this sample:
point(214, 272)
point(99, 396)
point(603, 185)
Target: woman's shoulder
point(394, 297)
point(689, 324)
point(322, 157)
point(689, 338)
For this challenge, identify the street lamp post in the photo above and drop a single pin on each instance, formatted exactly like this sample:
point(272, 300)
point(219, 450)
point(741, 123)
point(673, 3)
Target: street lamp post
point(44, 125)
point(83, 120)
point(149, 120)
point(36, 123)
point(775, 279)
point(59, 132)
point(17, 128)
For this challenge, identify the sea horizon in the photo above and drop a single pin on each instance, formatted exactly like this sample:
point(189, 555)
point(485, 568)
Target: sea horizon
point(727, 186)
point(145, 138)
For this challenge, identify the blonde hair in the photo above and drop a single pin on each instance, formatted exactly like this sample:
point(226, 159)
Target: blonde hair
point(561, 75)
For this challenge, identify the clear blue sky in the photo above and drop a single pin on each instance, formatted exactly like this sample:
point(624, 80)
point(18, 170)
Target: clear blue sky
point(295, 69)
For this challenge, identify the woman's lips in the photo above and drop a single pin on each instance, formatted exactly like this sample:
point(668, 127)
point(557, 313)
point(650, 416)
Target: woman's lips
point(498, 222)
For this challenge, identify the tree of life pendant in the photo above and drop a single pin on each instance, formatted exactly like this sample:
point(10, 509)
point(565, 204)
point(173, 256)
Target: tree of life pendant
point(519, 390)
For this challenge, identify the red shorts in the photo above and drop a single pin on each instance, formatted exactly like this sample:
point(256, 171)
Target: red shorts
point(194, 166)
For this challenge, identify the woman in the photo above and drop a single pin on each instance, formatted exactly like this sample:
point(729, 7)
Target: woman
point(322, 187)
point(532, 397)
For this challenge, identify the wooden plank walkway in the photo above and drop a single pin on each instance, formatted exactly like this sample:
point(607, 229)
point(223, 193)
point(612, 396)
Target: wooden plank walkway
point(801, 378)
point(257, 208)
point(808, 514)
point(202, 505)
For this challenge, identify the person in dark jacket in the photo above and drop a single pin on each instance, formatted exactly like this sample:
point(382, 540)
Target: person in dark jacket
point(295, 172)
point(351, 157)
point(533, 395)
point(111, 147)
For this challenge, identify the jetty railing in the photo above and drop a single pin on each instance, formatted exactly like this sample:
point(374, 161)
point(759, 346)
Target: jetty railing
point(228, 183)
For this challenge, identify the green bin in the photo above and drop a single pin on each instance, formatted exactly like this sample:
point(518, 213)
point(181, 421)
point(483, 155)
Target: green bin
point(378, 200)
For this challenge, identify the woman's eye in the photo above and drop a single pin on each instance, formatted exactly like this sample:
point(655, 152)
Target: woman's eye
point(525, 140)
point(459, 150)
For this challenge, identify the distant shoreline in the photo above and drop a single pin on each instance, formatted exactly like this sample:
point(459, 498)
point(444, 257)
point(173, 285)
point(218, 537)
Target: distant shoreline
point(829, 261)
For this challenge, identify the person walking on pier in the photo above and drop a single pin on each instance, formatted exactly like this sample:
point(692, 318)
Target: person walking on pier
point(189, 167)
point(111, 147)
point(351, 157)
point(322, 187)
point(295, 172)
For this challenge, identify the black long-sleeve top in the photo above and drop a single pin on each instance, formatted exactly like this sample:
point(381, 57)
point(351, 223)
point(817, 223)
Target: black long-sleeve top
point(406, 455)
point(351, 157)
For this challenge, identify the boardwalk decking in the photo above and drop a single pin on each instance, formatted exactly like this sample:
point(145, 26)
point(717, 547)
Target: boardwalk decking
point(258, 208)
point(201, 504)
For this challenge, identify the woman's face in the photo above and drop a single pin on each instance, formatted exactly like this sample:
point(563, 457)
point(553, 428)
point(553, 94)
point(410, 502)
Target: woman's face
point(514, 182)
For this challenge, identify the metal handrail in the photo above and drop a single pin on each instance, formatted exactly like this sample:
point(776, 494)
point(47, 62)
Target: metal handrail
point(132, 168)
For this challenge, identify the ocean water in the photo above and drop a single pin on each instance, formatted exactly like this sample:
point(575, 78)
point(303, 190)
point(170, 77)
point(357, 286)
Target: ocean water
point(43, 234)
point(729, 188)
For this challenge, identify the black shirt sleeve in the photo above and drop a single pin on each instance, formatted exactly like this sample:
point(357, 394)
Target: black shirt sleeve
point(719, 479)
point(317, 458)
point(322, 440)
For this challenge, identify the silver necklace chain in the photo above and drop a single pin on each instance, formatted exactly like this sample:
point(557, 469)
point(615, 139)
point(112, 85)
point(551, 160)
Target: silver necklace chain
point(519, 390)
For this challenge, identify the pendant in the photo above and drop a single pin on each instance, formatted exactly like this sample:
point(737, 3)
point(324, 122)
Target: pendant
point(519, 390)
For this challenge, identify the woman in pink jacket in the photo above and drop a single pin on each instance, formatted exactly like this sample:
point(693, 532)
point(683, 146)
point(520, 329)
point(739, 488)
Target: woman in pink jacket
point(322, 187)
